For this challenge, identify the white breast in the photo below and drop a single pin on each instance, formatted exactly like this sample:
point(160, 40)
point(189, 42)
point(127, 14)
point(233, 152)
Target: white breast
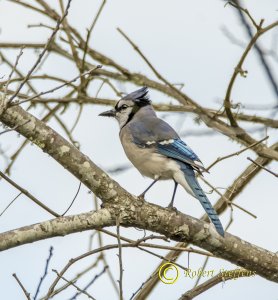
point(148, 162)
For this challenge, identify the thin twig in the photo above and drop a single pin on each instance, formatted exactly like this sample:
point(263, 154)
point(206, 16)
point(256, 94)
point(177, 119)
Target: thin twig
point(120, 260)
point(74, 285)
point(45, 272)
point(22, 287)
point(261, 53)
point(238, 70)
point(236, 153)
point(9, 204)
point(59, 86)
point(40, 25)
point(103, 257)
point(90, 283)
point(30, 196)
point(27, 5)
point(159, 76)
point(259, 165)
point(141, 287)
point(246, 12)
point(43, 76)
point(79, 186)
point(13, 69)
point(136, 48)
point(226, 199)
point(202, 268)
point(77, 118)
point(221, 277)
point(70, 39)
point(78, 275)
point(90, 32)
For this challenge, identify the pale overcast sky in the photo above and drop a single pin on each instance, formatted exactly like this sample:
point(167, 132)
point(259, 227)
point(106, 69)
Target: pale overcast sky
point(184, 40)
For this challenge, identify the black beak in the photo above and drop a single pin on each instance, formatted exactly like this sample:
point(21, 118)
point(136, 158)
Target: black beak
point(108, 113)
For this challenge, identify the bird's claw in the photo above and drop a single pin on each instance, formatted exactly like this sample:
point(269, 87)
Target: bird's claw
point(173, 208)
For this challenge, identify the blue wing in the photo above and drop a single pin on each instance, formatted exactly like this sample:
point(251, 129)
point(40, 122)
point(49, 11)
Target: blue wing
point(154, 132)
point(151, 129)
point(177, 149)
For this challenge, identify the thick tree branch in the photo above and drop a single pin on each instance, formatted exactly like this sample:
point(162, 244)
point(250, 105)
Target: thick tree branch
point(56, 227)
point(175, 225)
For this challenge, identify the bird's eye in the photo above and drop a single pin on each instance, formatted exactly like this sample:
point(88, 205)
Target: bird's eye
point(124, 106)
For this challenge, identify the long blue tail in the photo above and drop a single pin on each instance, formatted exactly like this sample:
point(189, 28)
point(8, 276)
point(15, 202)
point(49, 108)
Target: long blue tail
point(201, 196)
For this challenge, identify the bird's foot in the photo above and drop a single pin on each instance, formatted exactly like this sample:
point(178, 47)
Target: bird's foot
point(173, 208)
point(141, 196)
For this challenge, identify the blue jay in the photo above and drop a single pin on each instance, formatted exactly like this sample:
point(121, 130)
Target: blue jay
point(157, 151)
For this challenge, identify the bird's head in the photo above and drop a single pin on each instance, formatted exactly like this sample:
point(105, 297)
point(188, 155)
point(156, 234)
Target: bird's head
point(127, 107)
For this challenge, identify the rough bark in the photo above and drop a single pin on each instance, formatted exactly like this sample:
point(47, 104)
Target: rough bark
point(57, 227)
point(175, 225)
